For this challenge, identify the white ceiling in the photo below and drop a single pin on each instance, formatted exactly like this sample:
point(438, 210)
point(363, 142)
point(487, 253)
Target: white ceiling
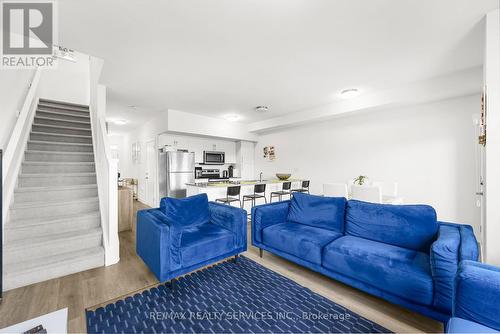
point(227, 56)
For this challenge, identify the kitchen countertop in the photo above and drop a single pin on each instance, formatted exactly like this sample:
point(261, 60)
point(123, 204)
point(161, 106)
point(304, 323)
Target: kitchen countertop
point(238, 183)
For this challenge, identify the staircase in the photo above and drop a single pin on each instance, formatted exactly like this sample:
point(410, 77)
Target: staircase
point(54, 224)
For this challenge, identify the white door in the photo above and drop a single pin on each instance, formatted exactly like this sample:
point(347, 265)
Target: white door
point(150, 177)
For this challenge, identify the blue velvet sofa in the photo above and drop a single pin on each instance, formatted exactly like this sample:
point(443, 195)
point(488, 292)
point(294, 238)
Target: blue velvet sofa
point(186, 234)
point(400, 253)
point(476, 304)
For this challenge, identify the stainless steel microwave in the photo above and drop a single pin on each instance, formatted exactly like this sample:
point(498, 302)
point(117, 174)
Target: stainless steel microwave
point(214, 158)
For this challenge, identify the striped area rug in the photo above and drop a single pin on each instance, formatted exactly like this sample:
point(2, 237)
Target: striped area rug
point(242, 297)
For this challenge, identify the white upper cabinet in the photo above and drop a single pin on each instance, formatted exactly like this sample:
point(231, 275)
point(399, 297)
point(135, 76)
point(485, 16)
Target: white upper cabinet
point(198, 145)
point(175, 141)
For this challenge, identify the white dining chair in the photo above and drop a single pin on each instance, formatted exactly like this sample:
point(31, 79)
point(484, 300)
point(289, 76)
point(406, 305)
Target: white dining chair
point(389, 192)
point(335, 190)
point(366, 193)
point(387, 188)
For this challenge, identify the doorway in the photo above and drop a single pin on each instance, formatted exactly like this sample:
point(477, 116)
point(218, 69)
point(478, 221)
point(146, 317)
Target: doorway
point(150, 174)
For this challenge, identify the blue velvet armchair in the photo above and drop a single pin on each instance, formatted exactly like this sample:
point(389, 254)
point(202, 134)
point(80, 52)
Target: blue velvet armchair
point(476, 304)
point(186, 234)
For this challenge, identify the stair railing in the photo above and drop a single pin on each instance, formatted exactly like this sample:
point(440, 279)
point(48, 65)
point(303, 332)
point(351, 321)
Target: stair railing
point(106, 166)
point(14, 151)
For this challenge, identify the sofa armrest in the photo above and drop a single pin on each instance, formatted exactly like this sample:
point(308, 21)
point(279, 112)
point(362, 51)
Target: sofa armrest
point(267, 215)
point(152, 240)
point(455, 242)
point(444, 257)
point(477, 294)
point(232, 219)
point(469, 249)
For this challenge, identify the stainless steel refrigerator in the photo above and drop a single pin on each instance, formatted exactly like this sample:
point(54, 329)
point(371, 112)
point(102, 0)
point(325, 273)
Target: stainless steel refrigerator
point(175, 170)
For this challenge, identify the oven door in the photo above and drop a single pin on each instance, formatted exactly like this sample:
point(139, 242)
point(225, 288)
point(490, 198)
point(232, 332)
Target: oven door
point(213, 158)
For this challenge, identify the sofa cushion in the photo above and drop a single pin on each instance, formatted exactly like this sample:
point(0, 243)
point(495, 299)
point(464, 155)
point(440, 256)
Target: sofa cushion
point(409, 226)
point(318, 211)
point(459, 325)
point(400, 271)
point(305, 242)
point(189, 211)
point(204, 242)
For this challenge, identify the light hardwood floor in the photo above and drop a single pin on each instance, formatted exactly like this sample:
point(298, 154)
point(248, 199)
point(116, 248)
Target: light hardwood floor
point(97, 286)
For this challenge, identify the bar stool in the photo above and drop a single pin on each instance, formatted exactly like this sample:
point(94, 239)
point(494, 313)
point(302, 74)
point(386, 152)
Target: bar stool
point(231, 194)
point(303, 189)
point(259, 191)
point(285, 190)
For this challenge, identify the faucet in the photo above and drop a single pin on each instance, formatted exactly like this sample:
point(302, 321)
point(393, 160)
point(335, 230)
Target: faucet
point(260, 176)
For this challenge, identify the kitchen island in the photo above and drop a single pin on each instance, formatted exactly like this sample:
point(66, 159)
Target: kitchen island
point(216, 190)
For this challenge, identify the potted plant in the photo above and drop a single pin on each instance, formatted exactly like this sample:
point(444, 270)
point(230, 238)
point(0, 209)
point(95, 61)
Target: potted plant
point(360, 180)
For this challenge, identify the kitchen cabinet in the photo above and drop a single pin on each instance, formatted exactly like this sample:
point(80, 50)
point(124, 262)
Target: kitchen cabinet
point(175, 141)
point(125, 208)
point(245, 158)
point(198, 145)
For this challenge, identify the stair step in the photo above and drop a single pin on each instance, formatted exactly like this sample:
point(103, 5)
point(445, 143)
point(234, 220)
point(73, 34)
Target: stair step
point(62, 114)
point(20, 223)
point(55, 179)
point(40, 228)
point(34, 271)
point(55, 244)
point(59, 137)
point(50, 194)
point(39, 145)
point(29, 167)
point(60, 129)
point(62, 122)
point(61, 104)
point(40, 210)
point(73, 112)
point(50, 156)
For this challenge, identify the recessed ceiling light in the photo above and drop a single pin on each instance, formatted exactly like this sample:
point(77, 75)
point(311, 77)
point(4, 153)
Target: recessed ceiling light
point(349, 93)
point(261, 109)
point(232, 117)
point(120, 121)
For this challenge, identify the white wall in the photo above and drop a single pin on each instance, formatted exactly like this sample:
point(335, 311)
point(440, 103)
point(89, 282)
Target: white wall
point(119, 150)
point(145, 133)
point(428, 149)
point(14, 86)
point(492, 83)
point(68, 82)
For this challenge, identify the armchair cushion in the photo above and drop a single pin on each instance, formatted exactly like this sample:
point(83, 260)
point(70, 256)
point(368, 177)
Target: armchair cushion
point(477, 294)
point(318, 211)
point(409, 226)
point(189, 211)
point(305, 242)
point(397, 270)
point(202, 242)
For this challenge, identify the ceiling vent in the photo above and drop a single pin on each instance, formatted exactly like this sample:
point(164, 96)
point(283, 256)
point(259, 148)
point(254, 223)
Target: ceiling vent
point(261, 109)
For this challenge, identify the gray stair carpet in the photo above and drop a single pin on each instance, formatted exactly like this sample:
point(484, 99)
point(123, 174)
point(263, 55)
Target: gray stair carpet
point(54, 224)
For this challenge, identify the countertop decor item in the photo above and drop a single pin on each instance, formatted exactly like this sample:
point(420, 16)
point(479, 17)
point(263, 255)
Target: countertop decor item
point(283, 176)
